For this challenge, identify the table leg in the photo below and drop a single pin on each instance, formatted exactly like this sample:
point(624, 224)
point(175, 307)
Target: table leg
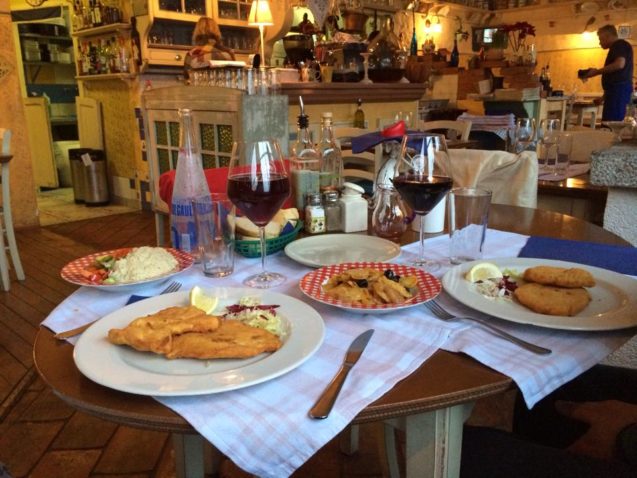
point(194, 456)
point(433, 442)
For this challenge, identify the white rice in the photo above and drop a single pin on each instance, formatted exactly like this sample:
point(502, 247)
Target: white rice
point(143, 263)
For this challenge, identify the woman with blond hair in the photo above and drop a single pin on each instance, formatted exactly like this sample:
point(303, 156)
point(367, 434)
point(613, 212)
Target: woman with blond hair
point(208, 46)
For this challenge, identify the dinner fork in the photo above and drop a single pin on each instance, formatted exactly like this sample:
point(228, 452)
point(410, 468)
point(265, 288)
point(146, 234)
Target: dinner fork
point(444, 315)
point(172, 287)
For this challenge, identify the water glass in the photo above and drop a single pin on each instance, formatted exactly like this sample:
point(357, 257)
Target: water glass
point(216, 235)
point(548, 134)
point(468, 217)
point(564, 149)
point(524, 134)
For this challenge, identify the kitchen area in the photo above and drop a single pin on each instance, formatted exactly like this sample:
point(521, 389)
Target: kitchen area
point(415, 59)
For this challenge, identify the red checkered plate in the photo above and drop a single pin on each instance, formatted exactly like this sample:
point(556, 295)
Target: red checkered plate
point(428, 286)
point(72, 272)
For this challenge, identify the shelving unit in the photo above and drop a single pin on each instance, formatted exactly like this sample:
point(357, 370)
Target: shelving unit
point(103, 30)
point(107, 76)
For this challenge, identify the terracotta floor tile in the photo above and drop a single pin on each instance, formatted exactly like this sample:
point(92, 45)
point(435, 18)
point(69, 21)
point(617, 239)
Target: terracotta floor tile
point(132, 450)
point(69, 464)
point(47, 407)
point(23, 444)
point(84, 431)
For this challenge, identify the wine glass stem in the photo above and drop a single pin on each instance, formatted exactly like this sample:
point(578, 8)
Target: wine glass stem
point(422, 238)
point(263, 247)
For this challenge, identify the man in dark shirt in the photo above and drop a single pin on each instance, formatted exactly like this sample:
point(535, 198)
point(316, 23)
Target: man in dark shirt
point(617, 73)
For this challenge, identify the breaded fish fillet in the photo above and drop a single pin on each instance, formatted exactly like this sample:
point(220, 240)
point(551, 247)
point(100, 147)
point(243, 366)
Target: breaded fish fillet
point(154, 332)
point(231, 340)
point(550, 300)
point(559, 276)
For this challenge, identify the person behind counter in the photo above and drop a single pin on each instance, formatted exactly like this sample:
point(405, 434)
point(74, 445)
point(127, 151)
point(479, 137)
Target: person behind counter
point(617, 73)
point(208, 46)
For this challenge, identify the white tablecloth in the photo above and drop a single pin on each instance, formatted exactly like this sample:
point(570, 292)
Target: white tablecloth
point(265, 429)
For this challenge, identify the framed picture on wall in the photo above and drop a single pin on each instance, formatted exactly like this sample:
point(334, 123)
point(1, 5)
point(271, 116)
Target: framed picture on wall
point(623, 31)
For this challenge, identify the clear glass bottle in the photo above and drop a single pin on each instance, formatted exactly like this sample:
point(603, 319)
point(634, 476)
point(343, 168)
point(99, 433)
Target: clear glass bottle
point(190, 189)
point(305, 164)
point(359, 115)
point(314, 215)
point(389, 219)
point(332, 211)
point(331, 158)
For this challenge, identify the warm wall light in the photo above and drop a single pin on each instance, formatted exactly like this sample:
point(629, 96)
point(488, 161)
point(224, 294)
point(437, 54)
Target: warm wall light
point(437, 27)
point(261, 16)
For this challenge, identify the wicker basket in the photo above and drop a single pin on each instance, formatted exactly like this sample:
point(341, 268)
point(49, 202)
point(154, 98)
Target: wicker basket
point(275, 244)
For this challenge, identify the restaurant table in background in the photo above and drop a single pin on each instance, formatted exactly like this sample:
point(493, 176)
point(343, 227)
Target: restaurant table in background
point(453, 381)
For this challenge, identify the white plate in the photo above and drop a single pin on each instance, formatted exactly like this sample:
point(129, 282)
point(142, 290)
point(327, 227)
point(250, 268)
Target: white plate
point(428, 286)
point(613, 305)
point(144, 373)
point(589, 7)
point(329, 249)
point(72, 272)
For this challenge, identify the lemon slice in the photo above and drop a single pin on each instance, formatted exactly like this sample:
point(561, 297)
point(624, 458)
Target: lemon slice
point(483, 271)
point(203, 301)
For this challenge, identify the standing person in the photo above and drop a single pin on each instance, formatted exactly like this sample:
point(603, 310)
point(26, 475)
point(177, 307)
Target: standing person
point(208, 46)
point(617, 73)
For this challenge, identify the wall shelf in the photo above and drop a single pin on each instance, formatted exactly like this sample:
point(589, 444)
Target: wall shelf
point(104, 29)
point(57, 39)
point(106, 76)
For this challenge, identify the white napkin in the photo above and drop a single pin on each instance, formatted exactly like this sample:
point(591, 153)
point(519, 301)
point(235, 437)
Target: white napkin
point(535, 375)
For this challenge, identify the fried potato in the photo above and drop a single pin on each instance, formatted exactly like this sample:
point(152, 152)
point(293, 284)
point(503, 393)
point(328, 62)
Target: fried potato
point(551, 300)
point(559, 276)
point(231, 340)
point(349, 292)
point(155, 332)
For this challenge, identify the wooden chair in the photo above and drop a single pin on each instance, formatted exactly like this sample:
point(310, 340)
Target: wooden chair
point(6, 218)
point(455, 130)
point(360, 165)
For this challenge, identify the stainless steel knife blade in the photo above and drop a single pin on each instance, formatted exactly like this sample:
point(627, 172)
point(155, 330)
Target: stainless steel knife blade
point(324, 404)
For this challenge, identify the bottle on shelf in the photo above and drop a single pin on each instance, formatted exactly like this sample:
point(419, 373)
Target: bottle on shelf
point(124, 56)
point(190, 190)
point(331, 158)
point(136, 48)
point(305, 163)
point(359, 115)
point(97, 13)
point(455, 54)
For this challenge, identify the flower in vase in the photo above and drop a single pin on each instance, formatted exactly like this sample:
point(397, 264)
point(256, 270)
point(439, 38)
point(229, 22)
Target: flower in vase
point(517, 33)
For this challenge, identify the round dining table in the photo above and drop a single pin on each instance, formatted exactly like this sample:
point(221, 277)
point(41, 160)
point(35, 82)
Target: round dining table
point(431, 404)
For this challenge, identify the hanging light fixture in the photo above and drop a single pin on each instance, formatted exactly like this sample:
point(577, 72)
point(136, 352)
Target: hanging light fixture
point(437, 27)
point(260, 16)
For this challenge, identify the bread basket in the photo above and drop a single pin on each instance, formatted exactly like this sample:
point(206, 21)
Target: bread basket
point(272, 245)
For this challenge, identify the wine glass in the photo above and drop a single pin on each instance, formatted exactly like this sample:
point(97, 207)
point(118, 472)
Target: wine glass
point(258, 185)
point(524, 134)
point(548, 135)
point(422, 181)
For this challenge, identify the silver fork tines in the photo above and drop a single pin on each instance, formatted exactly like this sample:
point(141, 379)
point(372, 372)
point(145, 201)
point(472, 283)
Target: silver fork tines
point(442, 314)
point(172, 287)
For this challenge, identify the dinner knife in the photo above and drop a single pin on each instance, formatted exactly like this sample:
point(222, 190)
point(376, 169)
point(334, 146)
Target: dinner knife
point(324, 404)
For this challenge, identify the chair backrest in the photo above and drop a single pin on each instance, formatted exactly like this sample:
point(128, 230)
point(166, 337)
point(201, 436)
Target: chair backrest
point(457, 130)
point(357, 165)
point(587, 140)
point(5, 141)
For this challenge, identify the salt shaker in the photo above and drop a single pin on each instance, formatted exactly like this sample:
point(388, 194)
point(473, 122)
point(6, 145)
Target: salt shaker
point(353, 208)
point(314, 214)
point(332, 211)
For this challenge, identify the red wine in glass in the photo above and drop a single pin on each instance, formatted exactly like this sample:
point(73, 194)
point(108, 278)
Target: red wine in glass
point(257, 199)
point(422, 193)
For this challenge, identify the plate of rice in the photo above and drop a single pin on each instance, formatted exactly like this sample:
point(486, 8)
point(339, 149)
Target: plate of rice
point(128, 268)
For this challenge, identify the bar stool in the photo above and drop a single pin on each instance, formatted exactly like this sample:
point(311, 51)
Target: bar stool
point(6, 219)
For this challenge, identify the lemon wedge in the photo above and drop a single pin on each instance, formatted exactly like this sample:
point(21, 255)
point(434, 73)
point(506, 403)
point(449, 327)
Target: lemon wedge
point(483, 271)
point(203, 301)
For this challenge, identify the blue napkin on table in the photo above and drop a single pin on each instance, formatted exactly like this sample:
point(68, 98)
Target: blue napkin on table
point(135, 298)
point(622, 259)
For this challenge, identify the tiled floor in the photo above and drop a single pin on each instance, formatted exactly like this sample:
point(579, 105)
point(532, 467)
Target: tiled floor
point(57, 206)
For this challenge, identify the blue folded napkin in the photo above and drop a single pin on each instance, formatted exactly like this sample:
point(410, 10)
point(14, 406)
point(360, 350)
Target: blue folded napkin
point(135, 298)
point(622, 259)
point(366, 141)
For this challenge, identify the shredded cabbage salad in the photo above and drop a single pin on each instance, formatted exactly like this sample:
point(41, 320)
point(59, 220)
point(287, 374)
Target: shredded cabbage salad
point(251, 312)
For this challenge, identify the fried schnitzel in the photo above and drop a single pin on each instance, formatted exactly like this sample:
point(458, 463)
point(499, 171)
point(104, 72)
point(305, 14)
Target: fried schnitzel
point(551, 300)
point(155, 332)
point(231, 340)
point(559, 276)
